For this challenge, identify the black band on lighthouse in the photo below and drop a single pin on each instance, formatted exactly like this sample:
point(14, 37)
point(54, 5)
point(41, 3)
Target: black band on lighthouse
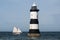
point(34, 31)
point(34, 21)
point(34, 8)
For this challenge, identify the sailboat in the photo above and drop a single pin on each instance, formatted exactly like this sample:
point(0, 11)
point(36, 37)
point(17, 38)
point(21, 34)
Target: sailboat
point(16, 30)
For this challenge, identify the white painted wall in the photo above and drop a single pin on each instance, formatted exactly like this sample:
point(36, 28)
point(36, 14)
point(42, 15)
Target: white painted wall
point(33, 15)
point(33, 26)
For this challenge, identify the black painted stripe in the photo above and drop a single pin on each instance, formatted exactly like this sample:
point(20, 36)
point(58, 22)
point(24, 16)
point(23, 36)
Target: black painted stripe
point(33, 21)
point(34, 31)
point(34, 8)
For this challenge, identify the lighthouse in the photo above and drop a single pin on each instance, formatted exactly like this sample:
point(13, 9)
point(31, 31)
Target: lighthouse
point(34, 23)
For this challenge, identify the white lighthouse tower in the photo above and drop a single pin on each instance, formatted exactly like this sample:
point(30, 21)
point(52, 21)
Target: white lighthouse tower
point(34, 24)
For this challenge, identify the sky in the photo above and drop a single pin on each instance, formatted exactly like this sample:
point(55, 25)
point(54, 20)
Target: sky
point(17, 13)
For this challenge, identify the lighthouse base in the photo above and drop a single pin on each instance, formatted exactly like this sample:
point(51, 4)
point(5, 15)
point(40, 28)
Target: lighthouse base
point(33, 34)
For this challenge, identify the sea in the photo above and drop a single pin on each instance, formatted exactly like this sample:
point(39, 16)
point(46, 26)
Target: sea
point(24, 36)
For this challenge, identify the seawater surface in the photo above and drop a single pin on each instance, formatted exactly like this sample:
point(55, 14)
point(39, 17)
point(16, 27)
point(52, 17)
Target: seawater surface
point(23, 36)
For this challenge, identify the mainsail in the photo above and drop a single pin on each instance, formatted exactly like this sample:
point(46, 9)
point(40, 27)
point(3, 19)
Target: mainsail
point(14, 29)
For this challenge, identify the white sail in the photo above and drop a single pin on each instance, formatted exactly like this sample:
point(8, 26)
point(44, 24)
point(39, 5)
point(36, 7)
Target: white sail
point(18, 30)
point(14, 29)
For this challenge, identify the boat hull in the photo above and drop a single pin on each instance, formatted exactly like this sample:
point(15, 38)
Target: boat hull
point(16, 33)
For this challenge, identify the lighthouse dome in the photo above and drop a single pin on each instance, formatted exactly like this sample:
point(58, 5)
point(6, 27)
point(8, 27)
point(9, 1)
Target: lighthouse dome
point(34, 4)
